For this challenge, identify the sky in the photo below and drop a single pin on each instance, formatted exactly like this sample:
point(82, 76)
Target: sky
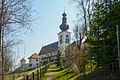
point(46, 26)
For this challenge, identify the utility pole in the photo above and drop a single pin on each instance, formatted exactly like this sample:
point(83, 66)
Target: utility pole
point(118, 45)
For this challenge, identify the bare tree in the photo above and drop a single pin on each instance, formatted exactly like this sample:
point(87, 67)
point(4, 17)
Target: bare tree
point(76, 58)
point(85, 8)
point(7, 63)
point(14, 15)
point(79, 33)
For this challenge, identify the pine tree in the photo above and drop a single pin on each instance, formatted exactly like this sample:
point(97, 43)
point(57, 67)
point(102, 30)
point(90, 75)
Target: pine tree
point(102, 34)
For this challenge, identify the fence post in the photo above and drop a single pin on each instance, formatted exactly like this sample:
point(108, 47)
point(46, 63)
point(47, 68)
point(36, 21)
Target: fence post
point(37, 74)
point(45, 68)
point(27, 77)
point(33, 75)
point(40, 73)
point(48, 65)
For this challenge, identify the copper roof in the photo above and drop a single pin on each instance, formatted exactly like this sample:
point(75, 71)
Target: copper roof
point(35, 56)
point(22, 59)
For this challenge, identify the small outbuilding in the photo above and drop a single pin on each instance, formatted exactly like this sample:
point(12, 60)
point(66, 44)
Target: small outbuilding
point(23, 61)
point(35, 60)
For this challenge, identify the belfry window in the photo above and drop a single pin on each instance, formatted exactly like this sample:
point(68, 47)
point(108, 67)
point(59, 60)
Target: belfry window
point(67, 39)
point(60, 39)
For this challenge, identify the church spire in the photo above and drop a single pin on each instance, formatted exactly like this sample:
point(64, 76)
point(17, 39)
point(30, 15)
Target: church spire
point(64, 26)
point(64, 19)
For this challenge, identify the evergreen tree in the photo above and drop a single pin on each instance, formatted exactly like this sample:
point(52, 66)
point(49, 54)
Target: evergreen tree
point(102, 34)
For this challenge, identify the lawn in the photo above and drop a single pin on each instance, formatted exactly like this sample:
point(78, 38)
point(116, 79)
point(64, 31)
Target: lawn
point(57, 73)
point(12, 76)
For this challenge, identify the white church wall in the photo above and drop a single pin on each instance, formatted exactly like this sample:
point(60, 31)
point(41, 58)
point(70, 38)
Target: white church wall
point(62, 46)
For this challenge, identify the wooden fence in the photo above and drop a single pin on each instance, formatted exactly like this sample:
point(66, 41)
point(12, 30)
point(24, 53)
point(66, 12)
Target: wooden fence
point(35, 74)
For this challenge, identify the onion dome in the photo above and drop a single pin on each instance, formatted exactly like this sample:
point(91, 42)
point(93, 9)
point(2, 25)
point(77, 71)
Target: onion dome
point(64, 26)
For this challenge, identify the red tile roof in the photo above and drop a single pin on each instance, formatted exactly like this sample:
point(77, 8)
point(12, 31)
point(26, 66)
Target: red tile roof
point(22, 59)
point(35, 56)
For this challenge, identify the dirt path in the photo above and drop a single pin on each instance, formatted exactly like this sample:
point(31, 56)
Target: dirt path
point(52, 72)
point(50, 75)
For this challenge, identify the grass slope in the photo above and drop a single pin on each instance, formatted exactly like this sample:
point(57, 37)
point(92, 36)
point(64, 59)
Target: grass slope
point(55, 73)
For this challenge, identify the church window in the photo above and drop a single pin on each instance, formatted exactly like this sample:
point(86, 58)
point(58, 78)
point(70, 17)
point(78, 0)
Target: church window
point(67, 39)
point(60, 39)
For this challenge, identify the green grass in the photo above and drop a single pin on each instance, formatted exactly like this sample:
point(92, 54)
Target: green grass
point(100, 75)
point(14, 75)
point(57, 73)
point(67, 74)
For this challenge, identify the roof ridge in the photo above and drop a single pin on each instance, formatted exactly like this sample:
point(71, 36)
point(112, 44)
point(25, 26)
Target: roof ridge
point(23, 59)
point(35, 55)
point(50, 43)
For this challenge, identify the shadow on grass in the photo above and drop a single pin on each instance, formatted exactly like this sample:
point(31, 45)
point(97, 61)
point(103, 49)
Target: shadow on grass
point(72, 76)
point(65, 75)
point(100, 75)
point(60, 73)
point(56, 70)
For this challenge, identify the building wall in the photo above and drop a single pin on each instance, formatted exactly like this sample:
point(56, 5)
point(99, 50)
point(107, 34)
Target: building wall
point(48, 54)
point(52, 53)
point(23, 62)
point(43, 55)
point(34, 61)
point(62, 46)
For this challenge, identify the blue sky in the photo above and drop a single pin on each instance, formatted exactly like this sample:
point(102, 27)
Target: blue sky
point(46, 26)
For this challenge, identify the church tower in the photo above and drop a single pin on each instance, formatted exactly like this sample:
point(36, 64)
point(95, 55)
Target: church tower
point(64, 36)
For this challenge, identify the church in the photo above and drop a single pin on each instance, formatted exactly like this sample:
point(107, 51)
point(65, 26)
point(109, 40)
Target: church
point(49, 52)
point(64, 38)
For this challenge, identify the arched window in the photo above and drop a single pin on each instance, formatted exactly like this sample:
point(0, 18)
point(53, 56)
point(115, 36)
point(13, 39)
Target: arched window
point(67, 39)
